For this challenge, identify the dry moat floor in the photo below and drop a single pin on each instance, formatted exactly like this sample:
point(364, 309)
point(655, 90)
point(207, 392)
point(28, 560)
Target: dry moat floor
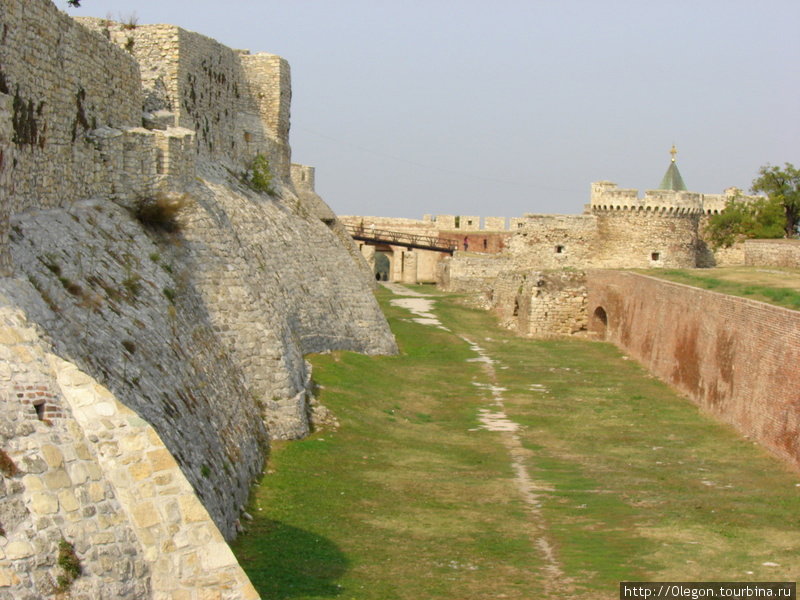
point(481, 465)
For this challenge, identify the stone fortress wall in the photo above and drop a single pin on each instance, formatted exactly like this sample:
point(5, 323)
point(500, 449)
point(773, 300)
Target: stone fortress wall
point(772, 253)
point(237, 103)
point(424, 266)
point(618, 229)
point(184, 347)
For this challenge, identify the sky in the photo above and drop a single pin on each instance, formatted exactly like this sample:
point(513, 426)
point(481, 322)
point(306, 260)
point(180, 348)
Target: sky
point(501, 108)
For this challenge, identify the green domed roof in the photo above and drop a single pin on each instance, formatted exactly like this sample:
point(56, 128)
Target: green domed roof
point(672, 178)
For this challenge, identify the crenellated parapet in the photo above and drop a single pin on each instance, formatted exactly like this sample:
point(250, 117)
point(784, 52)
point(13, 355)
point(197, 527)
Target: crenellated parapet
point(606, 196)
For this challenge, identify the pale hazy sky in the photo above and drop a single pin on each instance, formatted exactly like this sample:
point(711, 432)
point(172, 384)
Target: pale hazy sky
point(408, 107)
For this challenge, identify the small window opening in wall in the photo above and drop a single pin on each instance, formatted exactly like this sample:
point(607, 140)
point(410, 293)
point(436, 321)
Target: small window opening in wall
point(39, 411)
point(655, 256)
point(559, 249)
point(485, 243)
point(519, 225)
point(469, 222)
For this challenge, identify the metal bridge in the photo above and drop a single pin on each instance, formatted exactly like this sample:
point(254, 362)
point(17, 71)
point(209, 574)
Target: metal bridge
point(397, 238)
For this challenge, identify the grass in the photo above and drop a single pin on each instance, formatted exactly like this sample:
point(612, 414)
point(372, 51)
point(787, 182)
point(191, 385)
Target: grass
point(410, 498)
point(775, 285)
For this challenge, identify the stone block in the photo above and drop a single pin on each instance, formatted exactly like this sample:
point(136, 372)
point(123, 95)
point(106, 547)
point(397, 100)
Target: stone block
point(52, 455)
point(97, 492)
point(33, 483)
point(192, 510)
point(57, 479)
point(68, 501)
point(161, 459)
point(133, 443)
point(43, 504)
point(78, 473)
point(146, 515)
point(19, 549)
point(140, 471)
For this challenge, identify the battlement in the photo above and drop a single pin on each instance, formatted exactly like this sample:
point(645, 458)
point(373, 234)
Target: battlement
point(606, 196)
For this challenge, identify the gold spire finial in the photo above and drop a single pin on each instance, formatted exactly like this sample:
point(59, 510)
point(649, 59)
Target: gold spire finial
point(673, 152)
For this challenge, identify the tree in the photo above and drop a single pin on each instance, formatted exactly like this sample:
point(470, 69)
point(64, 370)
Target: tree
point(762, 219)
point(783, 187)
point(774, 216)
point(74, 3)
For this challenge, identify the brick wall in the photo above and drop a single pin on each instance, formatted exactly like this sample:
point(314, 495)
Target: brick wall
point(735, 358)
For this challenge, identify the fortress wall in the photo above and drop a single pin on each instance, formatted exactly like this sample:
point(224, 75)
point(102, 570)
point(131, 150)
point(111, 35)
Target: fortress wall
point(495, 224)
point(304, 181)
point(126, 308)
point(707, 257)
point(201, 332)
point(271, 88)
point(554, 242)
point(645, 239)
point(466, 272)
point(54, 89)
point(93, 473)
point(772, 253)
point(728, 354)
point(392, 224)
point(541, 303)
point(237, 104)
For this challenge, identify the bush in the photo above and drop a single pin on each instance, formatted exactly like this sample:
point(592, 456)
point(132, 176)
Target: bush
point(259, 175)
point(160, 212)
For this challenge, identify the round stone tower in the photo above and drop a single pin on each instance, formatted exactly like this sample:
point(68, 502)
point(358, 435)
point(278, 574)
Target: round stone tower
point(659, 230)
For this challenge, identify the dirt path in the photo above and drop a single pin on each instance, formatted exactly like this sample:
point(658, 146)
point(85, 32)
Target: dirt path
point(494, 418)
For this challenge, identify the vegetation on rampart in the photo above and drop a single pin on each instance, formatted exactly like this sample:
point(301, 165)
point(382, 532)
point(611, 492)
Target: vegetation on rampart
point(259, 175)
point(777, 215)
point(776, 285)
point(411, 498)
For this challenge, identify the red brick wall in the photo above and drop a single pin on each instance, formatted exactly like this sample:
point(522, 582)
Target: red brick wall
point(736, 358)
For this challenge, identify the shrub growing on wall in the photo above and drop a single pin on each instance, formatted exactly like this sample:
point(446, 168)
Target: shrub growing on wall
point(260, 176)
point(161, 211)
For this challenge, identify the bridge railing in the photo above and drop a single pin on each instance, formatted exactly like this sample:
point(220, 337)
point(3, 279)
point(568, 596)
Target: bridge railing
point(400, 238)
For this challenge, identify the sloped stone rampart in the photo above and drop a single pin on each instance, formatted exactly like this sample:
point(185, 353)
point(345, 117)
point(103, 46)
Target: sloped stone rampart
point(730, 355)
point(57, 489)
point(93, 473)
point(184, 550)
point(197, 326)
point(125, 308)
point(255, 260)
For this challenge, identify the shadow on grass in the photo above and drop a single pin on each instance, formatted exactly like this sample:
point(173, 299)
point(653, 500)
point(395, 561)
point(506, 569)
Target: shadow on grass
point(285, 562)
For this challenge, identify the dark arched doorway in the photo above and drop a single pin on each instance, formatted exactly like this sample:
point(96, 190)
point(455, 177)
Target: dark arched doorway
point(600, 322)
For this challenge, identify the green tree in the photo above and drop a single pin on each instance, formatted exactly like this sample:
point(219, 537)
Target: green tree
point(782, 186)
point(762, 219)
point(774, 216)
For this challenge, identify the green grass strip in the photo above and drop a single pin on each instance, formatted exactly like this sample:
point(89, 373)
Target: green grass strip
point(410, 499)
